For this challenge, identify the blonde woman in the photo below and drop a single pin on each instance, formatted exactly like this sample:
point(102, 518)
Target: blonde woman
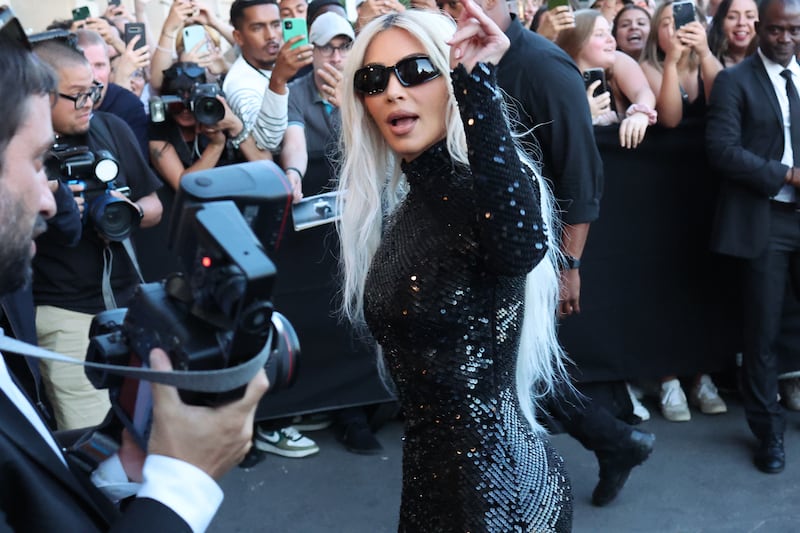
point(448, 259)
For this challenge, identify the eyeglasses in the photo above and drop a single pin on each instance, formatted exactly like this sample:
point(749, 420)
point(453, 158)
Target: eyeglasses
point(80, 99)
point(411, 71)
point(329, 49)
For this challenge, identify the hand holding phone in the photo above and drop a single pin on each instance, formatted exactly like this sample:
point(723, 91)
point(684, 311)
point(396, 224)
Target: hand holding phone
point(132, 29)
point(194, 35)
point(293, 27)
point(592, 75)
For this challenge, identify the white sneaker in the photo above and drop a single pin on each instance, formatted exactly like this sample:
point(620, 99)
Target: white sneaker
point(705, 397)
point(287, 442)
point(673, 402)
point(790, 391)
point(638, 409)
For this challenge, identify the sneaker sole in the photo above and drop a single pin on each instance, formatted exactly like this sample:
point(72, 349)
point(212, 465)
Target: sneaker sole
point(294, 454)
point(312, 426)
point(677, 417)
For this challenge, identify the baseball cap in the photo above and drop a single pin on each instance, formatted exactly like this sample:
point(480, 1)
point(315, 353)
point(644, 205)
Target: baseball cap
point(327, 26)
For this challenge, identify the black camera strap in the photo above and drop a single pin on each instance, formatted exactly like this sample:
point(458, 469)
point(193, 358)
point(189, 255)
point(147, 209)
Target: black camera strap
point(220, 380)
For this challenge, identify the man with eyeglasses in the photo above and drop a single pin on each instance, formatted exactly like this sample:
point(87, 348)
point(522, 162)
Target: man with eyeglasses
point(114, 98)
point(72, 284)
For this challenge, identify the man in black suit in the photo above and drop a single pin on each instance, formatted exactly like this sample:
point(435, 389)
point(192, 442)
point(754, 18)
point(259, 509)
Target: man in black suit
point(753, 141)
point(189, 446)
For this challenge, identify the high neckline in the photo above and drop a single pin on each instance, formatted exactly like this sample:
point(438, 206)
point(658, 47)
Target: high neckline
point(435, 161)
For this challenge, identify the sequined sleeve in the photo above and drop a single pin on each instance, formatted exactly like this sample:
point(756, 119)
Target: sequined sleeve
point(511, 233)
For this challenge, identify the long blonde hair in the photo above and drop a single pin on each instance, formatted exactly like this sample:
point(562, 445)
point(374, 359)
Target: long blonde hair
point(372, 186)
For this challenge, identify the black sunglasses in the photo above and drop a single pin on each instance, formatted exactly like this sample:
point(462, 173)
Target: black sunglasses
point(410, 71)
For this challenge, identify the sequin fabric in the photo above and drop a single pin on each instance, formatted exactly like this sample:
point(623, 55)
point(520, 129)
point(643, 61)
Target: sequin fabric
point(444, 298)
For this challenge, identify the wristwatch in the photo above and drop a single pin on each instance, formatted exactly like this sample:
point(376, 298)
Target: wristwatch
point(571, 263)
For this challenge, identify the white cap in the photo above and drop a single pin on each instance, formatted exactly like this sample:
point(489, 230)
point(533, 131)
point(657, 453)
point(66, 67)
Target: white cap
point(327, 26)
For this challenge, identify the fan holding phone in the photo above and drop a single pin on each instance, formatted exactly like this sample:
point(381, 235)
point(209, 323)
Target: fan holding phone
point(678, 62)
point(558, 17)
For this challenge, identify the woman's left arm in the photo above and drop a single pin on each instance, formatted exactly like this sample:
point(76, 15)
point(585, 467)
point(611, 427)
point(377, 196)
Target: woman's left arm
point(694, 35)
point(512, 235)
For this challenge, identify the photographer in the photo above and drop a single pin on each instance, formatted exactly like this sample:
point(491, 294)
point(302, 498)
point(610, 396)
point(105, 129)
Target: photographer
point(71, 285)
point(182, 143)
point(189, 446)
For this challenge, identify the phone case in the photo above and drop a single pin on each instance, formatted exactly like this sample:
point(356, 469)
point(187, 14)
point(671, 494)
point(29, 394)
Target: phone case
point(80, 13)
point(552, 4)
point(132, 29)
point(593, 74)
point(293, 27)
point(193, 35)
point(682, 13)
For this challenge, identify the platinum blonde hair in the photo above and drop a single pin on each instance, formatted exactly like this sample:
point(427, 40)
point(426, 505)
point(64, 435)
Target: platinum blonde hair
point(372, 185)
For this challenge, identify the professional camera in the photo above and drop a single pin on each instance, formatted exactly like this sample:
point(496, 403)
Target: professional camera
point(201, 101)
point(216, 315)
point(113, 217)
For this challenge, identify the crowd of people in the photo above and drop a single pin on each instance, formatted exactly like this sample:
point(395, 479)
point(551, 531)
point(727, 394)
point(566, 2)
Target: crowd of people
point(460, 136)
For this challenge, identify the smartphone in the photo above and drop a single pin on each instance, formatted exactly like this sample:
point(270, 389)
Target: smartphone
point(592, 75)
point(552, 4)
point(80, 13)
point(195, 34)
point(114, 3)
point(293, 27)
point(683, 13)
point(133, 29)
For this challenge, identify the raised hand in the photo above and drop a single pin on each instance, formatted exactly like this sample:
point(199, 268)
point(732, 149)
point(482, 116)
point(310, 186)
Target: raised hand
point(477, 38)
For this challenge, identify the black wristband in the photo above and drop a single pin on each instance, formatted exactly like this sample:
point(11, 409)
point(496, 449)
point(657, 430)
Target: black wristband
point(571, 263)
point(287, 169)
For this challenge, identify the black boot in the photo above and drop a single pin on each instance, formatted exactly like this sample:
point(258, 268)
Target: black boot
point(769, 456)
point(616, 465)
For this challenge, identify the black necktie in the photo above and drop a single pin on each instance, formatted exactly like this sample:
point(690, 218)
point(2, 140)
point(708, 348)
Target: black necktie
point(794, 115)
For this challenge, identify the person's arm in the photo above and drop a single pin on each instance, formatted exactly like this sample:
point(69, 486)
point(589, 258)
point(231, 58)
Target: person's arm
point(294, 158)
point(512, 239)
point(128, 62)
point(695, 36)
point(666, 85)
point(573, 241)
point(164, 54)
point(727, 154)
point(272, 118)
point(206, 15)
point(65, 226)
point(370, 9)
point(189, 448)
point(631, 82)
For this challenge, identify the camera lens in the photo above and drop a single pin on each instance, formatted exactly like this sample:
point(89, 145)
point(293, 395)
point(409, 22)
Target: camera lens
point(113, 217)
point(208, 110)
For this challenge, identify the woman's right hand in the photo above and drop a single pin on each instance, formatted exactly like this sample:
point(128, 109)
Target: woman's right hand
point(599, 104)
point(554, 21)
point(179, 12)
point(632, 130)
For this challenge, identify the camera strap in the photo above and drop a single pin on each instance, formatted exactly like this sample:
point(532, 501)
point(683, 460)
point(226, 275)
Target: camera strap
point(220, 380)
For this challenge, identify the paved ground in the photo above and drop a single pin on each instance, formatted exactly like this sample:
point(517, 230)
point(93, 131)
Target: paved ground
point(699, 479)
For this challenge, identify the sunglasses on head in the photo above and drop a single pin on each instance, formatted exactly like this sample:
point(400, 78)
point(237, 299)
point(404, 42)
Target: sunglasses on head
point(410, 71)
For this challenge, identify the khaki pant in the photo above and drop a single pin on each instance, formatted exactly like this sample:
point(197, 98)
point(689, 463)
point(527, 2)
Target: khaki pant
point(76, 403)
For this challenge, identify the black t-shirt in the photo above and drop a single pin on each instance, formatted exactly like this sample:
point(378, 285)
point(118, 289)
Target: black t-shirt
point(71, 277)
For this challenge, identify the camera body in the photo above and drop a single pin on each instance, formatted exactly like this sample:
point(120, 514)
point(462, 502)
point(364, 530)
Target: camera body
point(113, 217)
point(201, 100)
point(218, 313)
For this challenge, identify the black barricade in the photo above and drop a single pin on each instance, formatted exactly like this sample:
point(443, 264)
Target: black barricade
point(654, 300)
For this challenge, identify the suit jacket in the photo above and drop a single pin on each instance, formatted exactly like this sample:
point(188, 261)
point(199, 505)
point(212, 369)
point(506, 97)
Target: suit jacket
point(744, 139)
point(39, 494)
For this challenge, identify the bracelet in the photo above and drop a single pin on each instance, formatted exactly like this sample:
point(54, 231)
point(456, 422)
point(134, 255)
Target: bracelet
point(242, 137)
point(141, 211)
point(571, 263)
point(165, 50)
point(287, 169)
point(168, 35)
point(652, 114)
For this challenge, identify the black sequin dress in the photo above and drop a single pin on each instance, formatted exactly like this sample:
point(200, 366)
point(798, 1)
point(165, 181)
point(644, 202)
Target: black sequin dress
point(444, 297)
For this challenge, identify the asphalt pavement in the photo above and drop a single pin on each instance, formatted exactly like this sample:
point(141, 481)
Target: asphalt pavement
point(700, 478)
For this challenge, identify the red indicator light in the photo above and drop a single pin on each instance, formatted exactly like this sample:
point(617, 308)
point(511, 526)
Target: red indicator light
point(206, 261)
